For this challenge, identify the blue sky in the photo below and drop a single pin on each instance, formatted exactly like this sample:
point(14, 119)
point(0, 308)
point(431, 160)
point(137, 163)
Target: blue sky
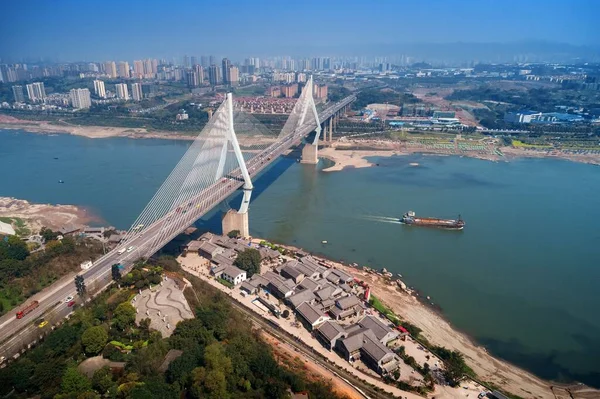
point(110, 29)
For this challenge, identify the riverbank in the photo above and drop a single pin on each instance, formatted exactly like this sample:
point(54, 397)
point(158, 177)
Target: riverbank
point(438, 331)
point(354, 153)
point(92, 132)
point(26, 216)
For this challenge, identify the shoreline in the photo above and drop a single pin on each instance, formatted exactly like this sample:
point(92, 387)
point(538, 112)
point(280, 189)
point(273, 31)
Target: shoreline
point(439, 331)
point(354, 155)
point(55, 217)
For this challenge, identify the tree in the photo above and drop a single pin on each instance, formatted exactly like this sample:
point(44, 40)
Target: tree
point(13, 247)
point(80, 285)
point(94, 339)
point(233, 234)
point(124, 316)
point(116, 273)
point(48, 234)
point(285, 314)
point(75, 382)
point(248, 260)
point(102, 380)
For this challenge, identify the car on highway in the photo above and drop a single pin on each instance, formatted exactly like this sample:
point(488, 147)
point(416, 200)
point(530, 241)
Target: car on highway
point(70, 304)
point(68, 299)
point(131, 248)
point(43, 324)
point(122, 251)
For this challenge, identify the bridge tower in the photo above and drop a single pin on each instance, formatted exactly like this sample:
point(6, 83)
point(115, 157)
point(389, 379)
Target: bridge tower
point(235, 220)
point(310, 151)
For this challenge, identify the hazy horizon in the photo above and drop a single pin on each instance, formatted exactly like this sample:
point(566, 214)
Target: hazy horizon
point(111, 30)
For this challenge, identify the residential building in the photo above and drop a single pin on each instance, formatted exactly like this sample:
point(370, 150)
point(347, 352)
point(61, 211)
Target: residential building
point(99, 89)
point(199, 69)
point(192, 79)
point(36, 92)
point(18, 94)
point(234, 75)
point(329, 333)
point(123, 69)
point(214, 75)
point(110, 69)
point(311, 315)
point(234, 275)
point(289, 91)
point(136, 91)
point(320, 91)
point(226, 64)
point(138, 69)
point(80, 98)
point(122, 92)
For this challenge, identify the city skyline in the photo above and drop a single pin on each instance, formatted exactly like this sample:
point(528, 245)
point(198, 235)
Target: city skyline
point(38, 29)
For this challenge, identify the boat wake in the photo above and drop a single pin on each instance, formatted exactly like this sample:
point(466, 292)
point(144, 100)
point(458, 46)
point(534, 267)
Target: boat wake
point(383, 219)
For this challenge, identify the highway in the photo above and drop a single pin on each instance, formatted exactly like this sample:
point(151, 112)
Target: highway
point(145, 243)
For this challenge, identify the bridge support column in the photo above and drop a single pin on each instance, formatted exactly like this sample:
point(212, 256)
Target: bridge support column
point(325, 132)
point(310, 154)
point(331, 130)
point(234, 220)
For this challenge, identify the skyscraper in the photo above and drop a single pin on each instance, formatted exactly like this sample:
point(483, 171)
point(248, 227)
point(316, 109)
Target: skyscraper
point(138, 69)
point(204, 61)
point(149, 70)
point(234, 75)
point(200, 74)
point(214, 75)
point(36, 92)
point(186, 61)
point(226, 73)
point(122, 92)
point(123, 69)
point(192, 78)
point(136, 91)
point(111, 69)
point(212, 60)
point(99, 88)
point(80, 98)
point(18, 94)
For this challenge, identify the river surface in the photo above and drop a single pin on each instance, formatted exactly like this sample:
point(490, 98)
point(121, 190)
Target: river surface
point(523, 278)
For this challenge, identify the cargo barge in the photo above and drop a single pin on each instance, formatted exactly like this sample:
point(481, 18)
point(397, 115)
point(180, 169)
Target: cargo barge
point(410, 218)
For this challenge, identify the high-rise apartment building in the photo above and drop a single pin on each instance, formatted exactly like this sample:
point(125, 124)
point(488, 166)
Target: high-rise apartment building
point(192, 78)
point(18, 94)
point(186, 61)
point(212, 60)
point(80, 98)
point(234, 75)
point(36, 92)
point(122, 92)
point(138, 69)
point(110, 68)
point(226, 73)
point(204, 61)
point(289, 91)
point(193, 60)
point(200, 74)
point(123, 69)
point(136, 91)
point(214, 75)
point(99, 89)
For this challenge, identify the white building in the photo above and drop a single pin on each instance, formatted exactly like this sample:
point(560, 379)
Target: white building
point(136, 91)
point(110, 69)
point(123, 69)
point(99, 88)
point(80, 98)
point(36, 92)
point(234, 275)
point(122, 92)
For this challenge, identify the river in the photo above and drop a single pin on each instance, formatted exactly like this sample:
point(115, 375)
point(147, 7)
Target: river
point(521, 279)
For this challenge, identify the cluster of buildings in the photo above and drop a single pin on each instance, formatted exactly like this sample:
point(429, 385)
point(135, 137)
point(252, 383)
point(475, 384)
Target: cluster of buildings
point(329, 302)
point(265, 105)
point(292, 90)
point(535, 117)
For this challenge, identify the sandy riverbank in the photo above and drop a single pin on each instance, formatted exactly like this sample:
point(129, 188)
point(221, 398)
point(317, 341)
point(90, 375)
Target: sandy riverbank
point(93, 132)
point(54, 217)
point(353, 153)
point(439, 332)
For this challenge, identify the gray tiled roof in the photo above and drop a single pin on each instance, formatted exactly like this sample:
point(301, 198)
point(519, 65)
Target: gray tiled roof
point(374, 349)
point(377, 326)
point(331, 330)
point(233, 271)
point(347, 302)
point(309, 312)
point(301, 297)
point(291, 271)
point(309, 284)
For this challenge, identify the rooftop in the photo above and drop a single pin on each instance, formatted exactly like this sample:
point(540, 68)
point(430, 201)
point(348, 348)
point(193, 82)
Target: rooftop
point(310, 312)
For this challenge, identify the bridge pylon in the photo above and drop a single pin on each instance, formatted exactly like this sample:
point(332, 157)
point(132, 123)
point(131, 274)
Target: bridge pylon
point(309, 114)
point(233, 220)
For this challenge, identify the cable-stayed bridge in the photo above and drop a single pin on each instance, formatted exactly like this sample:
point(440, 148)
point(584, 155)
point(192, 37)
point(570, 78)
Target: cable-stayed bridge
point(213, 168)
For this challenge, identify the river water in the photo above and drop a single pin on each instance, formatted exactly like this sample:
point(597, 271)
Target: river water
point(522, 278)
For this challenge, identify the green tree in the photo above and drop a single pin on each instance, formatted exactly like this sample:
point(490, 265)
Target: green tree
point(13, 247)
point(102, 380)
point(48, 234)
point(116, 273)
point(233, 234)
point(75, 382)
point(248, 260)
point(94, 339)
point(124, 316)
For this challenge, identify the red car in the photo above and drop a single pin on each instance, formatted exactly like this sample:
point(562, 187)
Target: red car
point(71, 303)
